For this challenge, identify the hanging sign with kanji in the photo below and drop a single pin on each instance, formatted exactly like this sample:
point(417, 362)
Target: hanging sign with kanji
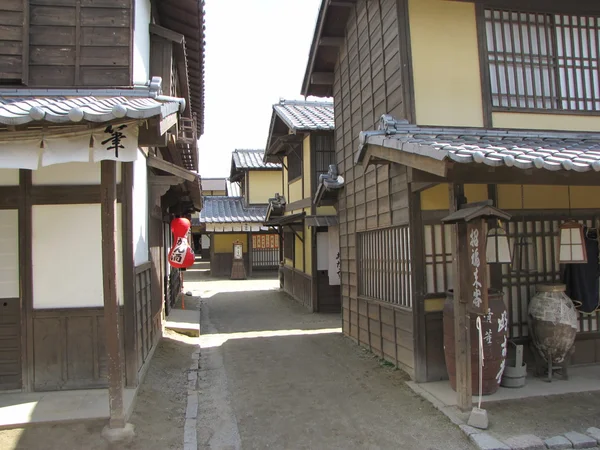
point(265, 241)
point(477, 286)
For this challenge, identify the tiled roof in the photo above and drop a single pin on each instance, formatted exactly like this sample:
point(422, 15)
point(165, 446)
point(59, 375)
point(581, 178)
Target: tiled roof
point(522, 149)
point(306, 116)
point(252, 159)
point(230, 210)
point(19, 106)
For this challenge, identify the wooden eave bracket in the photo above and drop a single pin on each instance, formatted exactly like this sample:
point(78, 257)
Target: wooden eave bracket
point(376, 154)
point(161, 164)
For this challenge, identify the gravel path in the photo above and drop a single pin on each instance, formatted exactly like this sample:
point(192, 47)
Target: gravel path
point(274, 376)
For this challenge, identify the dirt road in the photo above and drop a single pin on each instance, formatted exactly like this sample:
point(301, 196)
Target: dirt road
point(275, 376)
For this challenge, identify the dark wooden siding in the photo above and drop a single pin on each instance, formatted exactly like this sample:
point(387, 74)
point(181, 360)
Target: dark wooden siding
point(68, 349)
point(147, 320)
point(10, 343)
point(369, 83)
point(80, 43)
point(299, 285)
point(13, 41)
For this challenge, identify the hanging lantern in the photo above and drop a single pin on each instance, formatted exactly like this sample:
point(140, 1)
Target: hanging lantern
point(497, 250)
point(524, 256)
point(571, 244)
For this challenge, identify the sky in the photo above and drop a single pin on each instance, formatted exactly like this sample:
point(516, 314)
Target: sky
point(256, 53)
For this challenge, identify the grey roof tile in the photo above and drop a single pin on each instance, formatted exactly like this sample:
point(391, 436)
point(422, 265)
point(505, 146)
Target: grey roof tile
point(252, 159)
point(61, 109)
point(219, 209)
point(523, 149)
point(306, 116)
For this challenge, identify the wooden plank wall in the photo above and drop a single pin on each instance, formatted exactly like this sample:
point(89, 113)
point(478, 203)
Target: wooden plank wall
point(69, 350)
point(369, 83)
point(13, 40)
point(299, 285)
point(80, 43)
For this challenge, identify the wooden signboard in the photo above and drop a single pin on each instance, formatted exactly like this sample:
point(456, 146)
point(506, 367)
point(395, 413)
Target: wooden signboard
point(265, 241)
point(477, 284)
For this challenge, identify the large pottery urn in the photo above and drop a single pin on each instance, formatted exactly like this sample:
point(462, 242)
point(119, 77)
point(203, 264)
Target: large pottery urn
point(495, 335)
point(552, 320)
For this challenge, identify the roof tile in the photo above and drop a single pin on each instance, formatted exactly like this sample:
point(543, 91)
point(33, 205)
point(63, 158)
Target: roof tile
point(220, 209)
point(306, 116)
point(252, 159)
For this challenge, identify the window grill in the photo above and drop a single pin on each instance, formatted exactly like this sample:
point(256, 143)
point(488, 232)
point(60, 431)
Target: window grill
point(542, 61)
point(384, 266)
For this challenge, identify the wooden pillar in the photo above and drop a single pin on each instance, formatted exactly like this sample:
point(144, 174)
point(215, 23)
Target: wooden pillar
point(250, 250)
point(461, 314)
point(108, 204)
point(129, 332)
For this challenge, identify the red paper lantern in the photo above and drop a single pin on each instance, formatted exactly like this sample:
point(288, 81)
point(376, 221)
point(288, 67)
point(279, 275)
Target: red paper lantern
point(181, 255)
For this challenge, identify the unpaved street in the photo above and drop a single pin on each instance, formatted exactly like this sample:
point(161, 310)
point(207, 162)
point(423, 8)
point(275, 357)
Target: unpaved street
point(275, 376)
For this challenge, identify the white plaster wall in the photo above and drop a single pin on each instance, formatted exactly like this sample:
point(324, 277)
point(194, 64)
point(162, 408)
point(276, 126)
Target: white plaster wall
point(67, 256)
point(322, 251)
point(9, 177)
point(205, 241)
point(9, 253)
point(70, 173)
point(140, 210)
point(141, 42)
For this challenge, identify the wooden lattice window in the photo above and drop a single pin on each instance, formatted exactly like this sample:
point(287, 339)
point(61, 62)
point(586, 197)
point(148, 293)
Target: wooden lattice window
point(288, 245)
point(324, 154)
point(294, 163)
point(542, 61)
point(384, 265)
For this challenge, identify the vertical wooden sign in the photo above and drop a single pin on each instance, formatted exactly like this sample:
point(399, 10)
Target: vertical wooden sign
point(476, 292)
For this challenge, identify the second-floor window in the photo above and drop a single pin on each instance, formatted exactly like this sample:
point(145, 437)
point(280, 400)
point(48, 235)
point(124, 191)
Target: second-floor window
point(294, 163)
point(542, 61)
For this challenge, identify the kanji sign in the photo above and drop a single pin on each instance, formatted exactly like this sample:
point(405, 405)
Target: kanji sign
point(265, 241)
point(477, 268)
point(114, 141)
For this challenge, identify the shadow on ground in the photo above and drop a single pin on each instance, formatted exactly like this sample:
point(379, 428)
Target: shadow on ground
point(158, 416)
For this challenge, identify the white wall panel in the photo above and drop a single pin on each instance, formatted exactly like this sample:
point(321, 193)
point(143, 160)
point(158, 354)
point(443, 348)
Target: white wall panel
point(140, 210)
point(9, 253)
point(9, 177)
point(67, 256)
point(141, 42)
point(70, 173)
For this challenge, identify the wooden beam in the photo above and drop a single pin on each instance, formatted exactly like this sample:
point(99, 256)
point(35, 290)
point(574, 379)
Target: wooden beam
point(67, 195)
point(462, 334)
point(129, 301)
point(331, 41)
point(26, 275)
point(322, 78)
point(165, 33)
point(112, 329)
point(9, 197)
point(416, 161)
point(167, 123)
point(343, 4)
point(171, 168)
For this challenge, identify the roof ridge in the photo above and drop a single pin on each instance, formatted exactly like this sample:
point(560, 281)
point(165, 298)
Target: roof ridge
point(284, 102)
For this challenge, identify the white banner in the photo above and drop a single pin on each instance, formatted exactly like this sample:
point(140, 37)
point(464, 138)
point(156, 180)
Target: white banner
point(334, 255)
point(60, 150)
point(20, 154)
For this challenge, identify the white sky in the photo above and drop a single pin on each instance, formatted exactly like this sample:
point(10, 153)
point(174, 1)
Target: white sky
point(256, 53)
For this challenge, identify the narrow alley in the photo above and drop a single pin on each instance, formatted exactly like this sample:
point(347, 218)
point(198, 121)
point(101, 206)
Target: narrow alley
point(273, 375)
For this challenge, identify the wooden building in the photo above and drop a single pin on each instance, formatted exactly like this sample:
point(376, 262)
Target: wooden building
point(441, 102)
point(301, 138)
point(95, 160)
point(227, 219)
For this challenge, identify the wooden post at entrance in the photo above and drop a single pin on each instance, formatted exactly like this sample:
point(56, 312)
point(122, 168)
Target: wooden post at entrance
point(461, 314)
point(108, 199)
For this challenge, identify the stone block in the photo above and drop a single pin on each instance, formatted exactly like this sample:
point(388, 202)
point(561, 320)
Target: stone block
point(484, 441)
point(525, 442)
point(580, 440)
point(594, 433)
point(558, 443)
point(469, 430)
